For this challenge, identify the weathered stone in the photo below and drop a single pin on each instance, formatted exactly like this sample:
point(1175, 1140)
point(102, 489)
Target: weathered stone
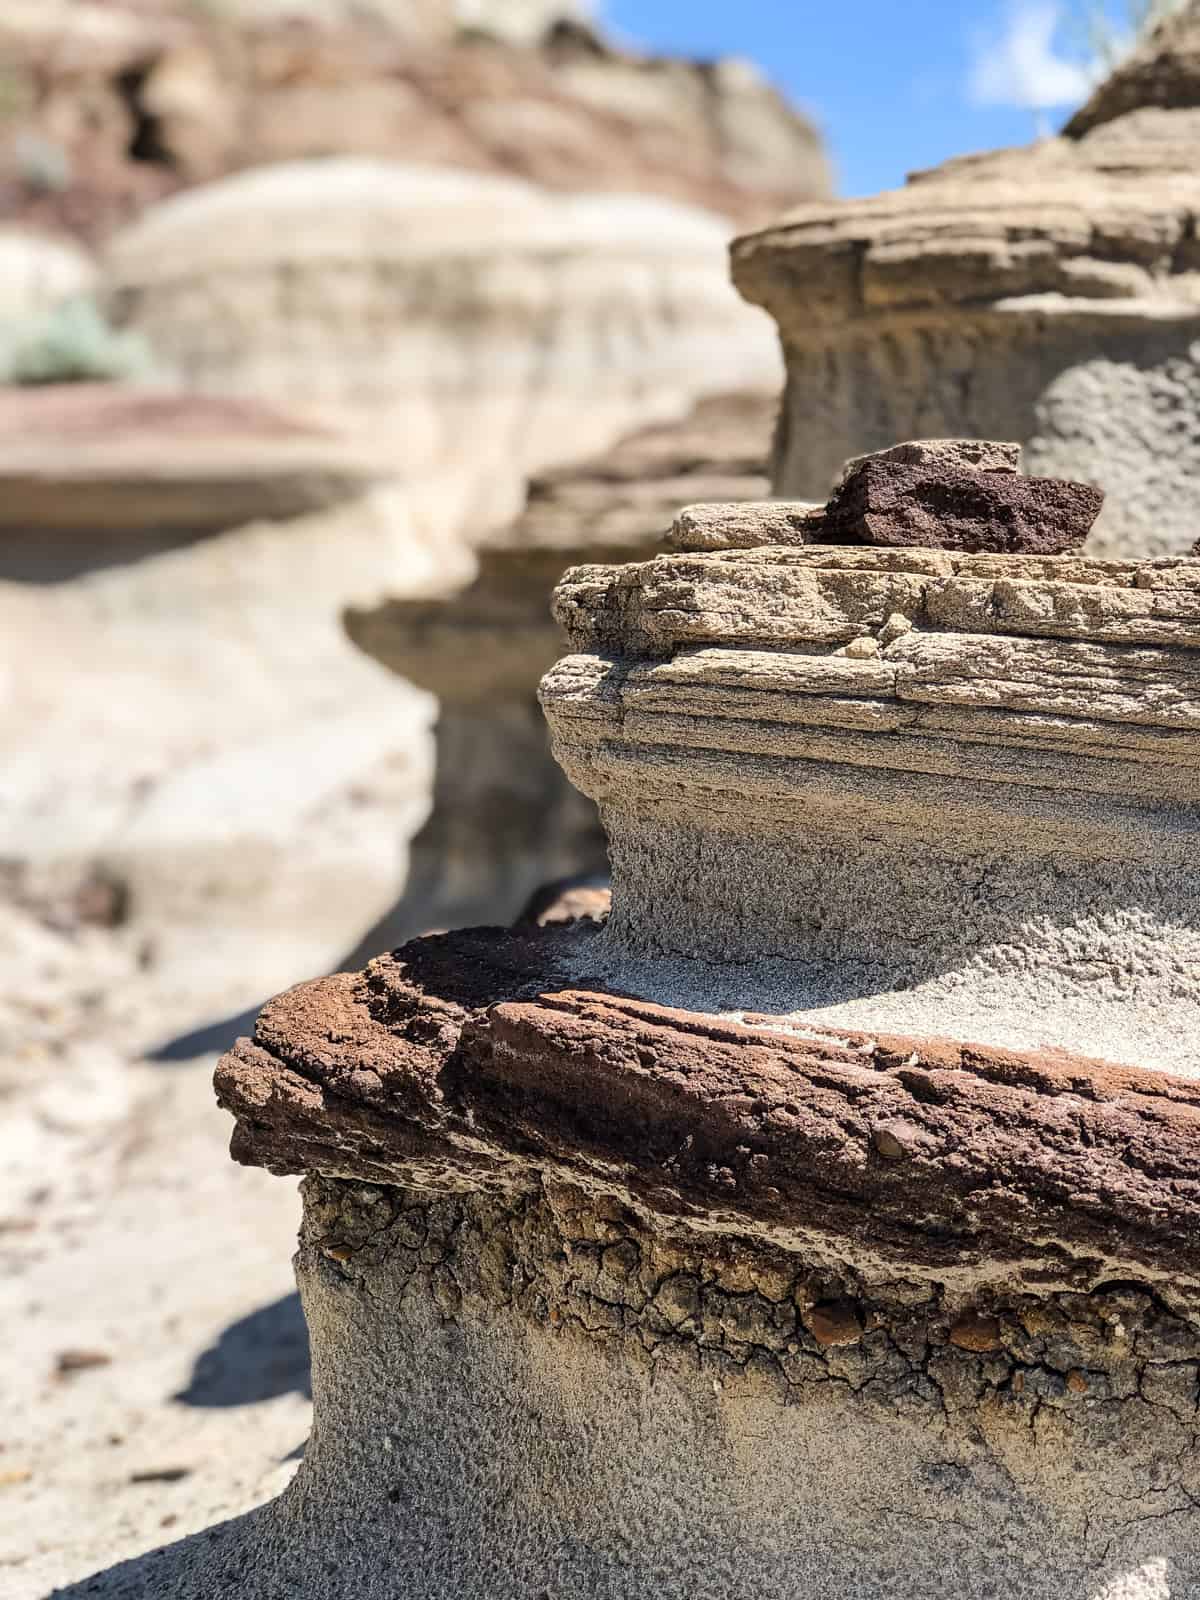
point(1047, 295)
point(976, 455)
point(975, 1332)
point(936, 505)
point(585, 1169)
point(716, 1197)
point(726, 526)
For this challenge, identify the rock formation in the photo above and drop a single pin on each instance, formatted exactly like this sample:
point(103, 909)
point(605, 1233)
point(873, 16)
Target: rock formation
point(504, 819)
point(861, 1273)
point(1049, 295)
point(322, 434)
point(420, 309)
point(114, 103)
point(173, 570)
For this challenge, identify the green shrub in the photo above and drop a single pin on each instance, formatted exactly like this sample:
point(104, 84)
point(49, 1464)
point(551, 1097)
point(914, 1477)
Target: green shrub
point(73, 343)
point(1107, 37)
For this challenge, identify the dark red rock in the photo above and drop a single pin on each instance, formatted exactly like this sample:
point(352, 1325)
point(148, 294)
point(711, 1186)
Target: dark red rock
point(462, 1061)
point(940, 506)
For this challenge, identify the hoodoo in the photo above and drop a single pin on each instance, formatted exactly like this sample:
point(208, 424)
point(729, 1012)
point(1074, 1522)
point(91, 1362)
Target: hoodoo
point(826, 1222)
point(1049, 294)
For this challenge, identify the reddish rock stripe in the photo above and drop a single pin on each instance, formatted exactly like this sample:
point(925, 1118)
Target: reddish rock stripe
point(926, 1152)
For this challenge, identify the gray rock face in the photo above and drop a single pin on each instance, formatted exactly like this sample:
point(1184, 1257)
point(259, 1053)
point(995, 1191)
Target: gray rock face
point(1047, 295)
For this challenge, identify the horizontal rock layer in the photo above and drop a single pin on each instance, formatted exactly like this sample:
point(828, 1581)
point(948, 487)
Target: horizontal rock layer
point(122, 471)
point(954, 792)
point(419, 308)
point(464, 1062)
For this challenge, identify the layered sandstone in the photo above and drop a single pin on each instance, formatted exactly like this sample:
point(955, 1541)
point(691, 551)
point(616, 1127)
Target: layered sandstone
point(116, 103)
point(504, 818)
point(936, 790)
point(1049, 295)
point(824, 1221)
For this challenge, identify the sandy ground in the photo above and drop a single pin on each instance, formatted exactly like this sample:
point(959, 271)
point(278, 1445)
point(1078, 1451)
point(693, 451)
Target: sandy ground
point(153, 1365)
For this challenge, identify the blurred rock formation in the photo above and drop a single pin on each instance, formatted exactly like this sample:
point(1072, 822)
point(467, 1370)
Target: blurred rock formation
point(422, 310)
point(111, 104)
point(1049, 295)
point(200, 736)
point(504, 819)
point(357, 363)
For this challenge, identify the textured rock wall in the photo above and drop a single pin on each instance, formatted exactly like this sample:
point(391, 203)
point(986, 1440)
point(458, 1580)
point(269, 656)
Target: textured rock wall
point(776, 1236)
point(943, 792)
point(791, 1307)
point(553, 1358)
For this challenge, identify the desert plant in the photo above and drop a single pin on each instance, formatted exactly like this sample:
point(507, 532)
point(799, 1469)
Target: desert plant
point(1106, 39)
point(71, 343)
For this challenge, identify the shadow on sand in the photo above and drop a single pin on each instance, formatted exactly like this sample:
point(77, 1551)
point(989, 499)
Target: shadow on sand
point(255, 1358)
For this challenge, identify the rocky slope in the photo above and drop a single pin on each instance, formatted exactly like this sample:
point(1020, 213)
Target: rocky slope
point(113, 104)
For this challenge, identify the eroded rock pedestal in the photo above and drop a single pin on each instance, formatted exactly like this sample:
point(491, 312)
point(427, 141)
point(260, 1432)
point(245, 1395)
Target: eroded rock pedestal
point(700, 1254)
point(1049, 294)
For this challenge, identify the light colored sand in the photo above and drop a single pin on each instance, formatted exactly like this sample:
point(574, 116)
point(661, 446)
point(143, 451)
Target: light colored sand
point(141, 1242)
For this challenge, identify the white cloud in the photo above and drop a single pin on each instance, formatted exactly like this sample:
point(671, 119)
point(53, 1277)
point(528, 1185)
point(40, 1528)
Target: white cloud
point(1020, 66)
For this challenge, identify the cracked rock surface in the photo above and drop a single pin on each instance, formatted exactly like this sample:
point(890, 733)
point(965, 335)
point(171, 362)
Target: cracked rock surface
point(610, 1298)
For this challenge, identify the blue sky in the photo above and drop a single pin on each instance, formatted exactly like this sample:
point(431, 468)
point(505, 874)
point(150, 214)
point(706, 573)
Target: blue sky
point(894, 84)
